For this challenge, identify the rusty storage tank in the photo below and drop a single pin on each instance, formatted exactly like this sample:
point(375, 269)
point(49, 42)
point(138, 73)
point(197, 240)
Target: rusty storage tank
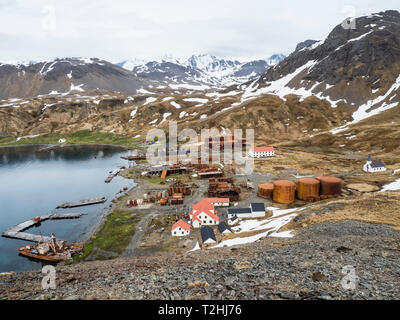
point(308, 189)
point(330, 186)
point(266, 190)
point(284, 191)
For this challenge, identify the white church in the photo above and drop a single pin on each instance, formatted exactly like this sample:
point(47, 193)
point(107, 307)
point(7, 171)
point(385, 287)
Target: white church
point(374, 166)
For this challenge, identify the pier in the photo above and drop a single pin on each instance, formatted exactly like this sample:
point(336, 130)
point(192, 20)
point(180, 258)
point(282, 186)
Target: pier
point(82, 203)
point(16, 232)
point(113, 174)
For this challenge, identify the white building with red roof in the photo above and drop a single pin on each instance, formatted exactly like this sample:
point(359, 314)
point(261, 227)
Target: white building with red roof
point(180, 229)
point(219, 202)
point(262, 152)
point(203, 214)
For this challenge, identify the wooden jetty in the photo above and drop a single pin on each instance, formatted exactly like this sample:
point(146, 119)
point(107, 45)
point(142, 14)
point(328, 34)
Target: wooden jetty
point(82, 203)
point(16, 232)
point(114, 173)
point(49, 148)
point(132, 158)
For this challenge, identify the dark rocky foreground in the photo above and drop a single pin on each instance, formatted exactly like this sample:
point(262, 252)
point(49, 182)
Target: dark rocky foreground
point(308, 266)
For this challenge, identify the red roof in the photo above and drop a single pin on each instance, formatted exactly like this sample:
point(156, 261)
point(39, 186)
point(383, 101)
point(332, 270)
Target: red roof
point(181, 224)
point(263, 149)
point(213, 200)
point(204, 206)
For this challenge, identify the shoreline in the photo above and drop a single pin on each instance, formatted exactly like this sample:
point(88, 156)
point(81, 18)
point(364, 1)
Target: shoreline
point(69, 145)
point(105, 216)
point(105, 211)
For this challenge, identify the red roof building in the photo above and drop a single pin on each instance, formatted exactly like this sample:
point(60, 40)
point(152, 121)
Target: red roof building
point(219, 202)
point(261, 152)
point(203, 213)
point(180, 228)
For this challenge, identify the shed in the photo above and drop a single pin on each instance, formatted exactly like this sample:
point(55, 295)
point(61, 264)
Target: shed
point(257, 210)
point(239, 212)
point(207, 235)
point(223, 227)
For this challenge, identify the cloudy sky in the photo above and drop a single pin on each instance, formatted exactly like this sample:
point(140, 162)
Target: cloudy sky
point(121, 29)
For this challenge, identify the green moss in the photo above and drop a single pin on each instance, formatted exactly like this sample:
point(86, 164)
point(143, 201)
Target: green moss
point(184, 178)
point(114, 236)
point(79, 137)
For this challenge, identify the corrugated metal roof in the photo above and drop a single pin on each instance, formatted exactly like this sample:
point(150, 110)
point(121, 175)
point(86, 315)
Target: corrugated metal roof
point(377, 164)
point(207, 233)
point(258, 207)
point(239, 211)
point(223, 226)
point(263, 149)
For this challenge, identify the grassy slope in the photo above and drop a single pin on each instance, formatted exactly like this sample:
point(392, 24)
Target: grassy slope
point(114, 236)
point(79, 137)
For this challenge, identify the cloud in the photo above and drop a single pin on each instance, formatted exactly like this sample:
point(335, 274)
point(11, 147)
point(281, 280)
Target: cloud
point(120, 29)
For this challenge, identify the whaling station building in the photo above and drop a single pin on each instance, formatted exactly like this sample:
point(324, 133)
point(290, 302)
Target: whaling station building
point(262, 152)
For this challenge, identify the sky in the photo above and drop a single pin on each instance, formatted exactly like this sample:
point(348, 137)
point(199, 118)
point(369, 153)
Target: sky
point(125, 29)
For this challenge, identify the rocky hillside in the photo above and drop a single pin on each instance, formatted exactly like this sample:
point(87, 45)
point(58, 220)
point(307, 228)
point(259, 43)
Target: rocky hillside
point(64, 76)
point(340, 92)
point(356, 67)
point(272, 117)
point(310, 266)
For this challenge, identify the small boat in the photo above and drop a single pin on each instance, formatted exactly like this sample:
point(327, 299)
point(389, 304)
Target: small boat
point(43, 251)
point(82, 203)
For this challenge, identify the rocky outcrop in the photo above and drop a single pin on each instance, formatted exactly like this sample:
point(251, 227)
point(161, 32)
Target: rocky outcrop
point(305, 44)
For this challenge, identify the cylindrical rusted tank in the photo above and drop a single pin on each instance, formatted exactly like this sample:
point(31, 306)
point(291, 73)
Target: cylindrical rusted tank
point(284, 191)
point(330, 186)
point(266, 190)
point(308, 189)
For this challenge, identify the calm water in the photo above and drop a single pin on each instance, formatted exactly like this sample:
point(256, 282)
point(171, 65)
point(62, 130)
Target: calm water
point(33, 184)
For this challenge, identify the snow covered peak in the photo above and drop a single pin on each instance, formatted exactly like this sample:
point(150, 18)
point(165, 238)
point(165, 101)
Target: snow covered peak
point(275, 59)
point(131, 63)
point(210, 63)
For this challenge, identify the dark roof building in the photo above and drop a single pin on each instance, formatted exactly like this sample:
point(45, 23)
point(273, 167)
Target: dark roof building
point(223, 227)
point(377, 164)
point(207, 235)
point(257, 207)
point(239, 211)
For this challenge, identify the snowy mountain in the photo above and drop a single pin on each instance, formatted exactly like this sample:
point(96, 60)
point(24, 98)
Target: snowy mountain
point(357, 68)
point(275, 59)
point(64, 76)
point(202, 68)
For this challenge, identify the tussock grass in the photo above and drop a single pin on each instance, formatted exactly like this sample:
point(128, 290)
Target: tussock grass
point(114, 236)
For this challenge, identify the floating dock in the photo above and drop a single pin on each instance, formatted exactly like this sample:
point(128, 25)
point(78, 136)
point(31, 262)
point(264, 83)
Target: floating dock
point(113, 174)
point(16, 232)
point(82, 203)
